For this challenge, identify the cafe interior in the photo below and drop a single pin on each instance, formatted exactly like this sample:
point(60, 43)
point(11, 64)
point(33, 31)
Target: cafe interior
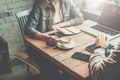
point(28, 58)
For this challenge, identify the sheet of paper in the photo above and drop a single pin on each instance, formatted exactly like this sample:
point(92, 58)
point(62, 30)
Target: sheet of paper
point(64, 31)
point(73, 30)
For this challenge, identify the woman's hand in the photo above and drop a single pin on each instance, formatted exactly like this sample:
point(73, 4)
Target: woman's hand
point(52, 41)
point(102, 41)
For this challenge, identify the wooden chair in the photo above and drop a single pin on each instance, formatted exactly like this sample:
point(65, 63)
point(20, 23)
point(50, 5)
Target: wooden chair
point(22, 19)
point(23, 56)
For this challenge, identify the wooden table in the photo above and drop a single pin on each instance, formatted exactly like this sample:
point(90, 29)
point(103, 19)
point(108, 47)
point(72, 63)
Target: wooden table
point(62, 58)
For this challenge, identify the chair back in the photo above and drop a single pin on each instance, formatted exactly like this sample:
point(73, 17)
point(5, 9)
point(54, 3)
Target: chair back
point(22, 20)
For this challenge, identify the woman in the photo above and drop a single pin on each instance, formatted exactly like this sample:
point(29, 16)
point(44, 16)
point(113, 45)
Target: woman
point(51, 14)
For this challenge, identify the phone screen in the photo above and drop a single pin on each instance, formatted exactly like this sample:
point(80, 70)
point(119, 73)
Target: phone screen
point(81, 56)
point(91, 48)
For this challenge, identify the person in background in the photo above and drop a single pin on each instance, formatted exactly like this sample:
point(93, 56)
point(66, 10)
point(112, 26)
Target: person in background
point(102, 67)
point(52, 14)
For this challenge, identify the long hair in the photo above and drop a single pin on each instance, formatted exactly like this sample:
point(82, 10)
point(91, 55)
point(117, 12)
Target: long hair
point(47, 3)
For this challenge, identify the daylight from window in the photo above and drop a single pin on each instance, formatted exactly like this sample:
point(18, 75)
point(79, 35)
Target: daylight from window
point(93, 4)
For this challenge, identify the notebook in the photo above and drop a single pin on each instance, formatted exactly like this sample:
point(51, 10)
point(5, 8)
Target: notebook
point(108, 23)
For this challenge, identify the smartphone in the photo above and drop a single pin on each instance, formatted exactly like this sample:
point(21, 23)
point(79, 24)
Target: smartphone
point(81, 56)
point(91, 47)
point(58, 34)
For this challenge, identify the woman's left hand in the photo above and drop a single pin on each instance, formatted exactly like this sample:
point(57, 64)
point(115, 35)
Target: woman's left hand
point(56, 26)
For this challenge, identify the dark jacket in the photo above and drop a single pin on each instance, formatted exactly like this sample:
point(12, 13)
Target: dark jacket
point(41, 18)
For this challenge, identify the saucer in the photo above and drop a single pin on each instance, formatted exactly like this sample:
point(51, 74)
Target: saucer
point(70, 45)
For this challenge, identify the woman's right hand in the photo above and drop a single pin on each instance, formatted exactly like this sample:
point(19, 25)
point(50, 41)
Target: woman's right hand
point(52, 40)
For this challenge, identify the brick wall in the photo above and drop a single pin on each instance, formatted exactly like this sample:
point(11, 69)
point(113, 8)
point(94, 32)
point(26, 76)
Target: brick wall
point(9, 28)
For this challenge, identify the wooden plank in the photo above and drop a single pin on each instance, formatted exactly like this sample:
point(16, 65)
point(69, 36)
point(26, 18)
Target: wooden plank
point(68, 54)
point(80, 70)
point(41, 45)
point(71, 63)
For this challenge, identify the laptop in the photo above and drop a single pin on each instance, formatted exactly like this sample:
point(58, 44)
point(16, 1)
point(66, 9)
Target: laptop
point(108, 23)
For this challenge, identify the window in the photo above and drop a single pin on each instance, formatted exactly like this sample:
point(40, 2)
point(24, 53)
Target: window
point(96, 4)
point(92, 4)
point(92, 8)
